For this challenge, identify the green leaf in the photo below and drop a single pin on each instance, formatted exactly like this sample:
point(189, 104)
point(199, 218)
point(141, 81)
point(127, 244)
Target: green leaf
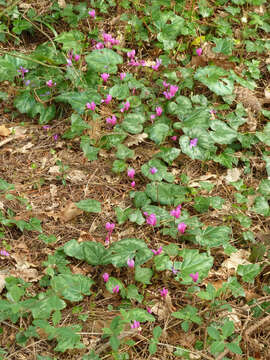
point(119, 91)
point(213, 77)
point(234, 348)
point(193, 262)
point(143, 275)
point(264, 135)
point(136, 217)
point(227, 328)
point(168, 154)
point(48, 239)
point(163, 262)
point(112, 283)
point(72, 286)
point(43, 308)
point(123, 152)
point(56, 317)
point(67, 338)
point(78, 100)
point(217, 347)
point(204, 148)
point(78, 125)
point(74, 249)
point(264, 187)
point(213, 333)
point(25, 102)
point(90, 152)
point(158, 132)
point(119, 166)
point(261, 206)
point(248, 272)
point(233, 285)
point(222, 134)
point(5, 186)
point(89, 205)
point(95, 253)
point(8, 70)
point(132, 123)
point(161, 171)
point(71, 40)
point(201, 203)
point(214, 236)
point(223, 46)
point(133, 294)
point(166, 194)
point(138, 314)
point(125, 249)
point(104, 60)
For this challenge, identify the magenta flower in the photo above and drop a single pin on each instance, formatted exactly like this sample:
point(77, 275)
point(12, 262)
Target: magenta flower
point(69, 62)
point(150, 219)
point(173, 89)
point(174, 271)
point(116, 289)
point(109, 227)
point(149, 310)
point(195, 276)
point(122, 76)
point(136, 324)
point(176, 212)
point(4, 253)
point(152, 117)
point(108, 99)
point(131, 173)
point(111, 121)
point(174, 138)
point(158, 251)
point(133, 184)
point(182, 227)
point(105, 77)
point(91, 106)
point(199, 51)
point(50, 83)
point(77, 57)
point(55, 137)
point(130, 263)
point(193, 142)
point(107, 37)
point(126, 107)
point(163, 292)
point(105, 277)
point(153, 170)
point(131, 54)
point(165, 84)
point(99, 45)
point(157, 65)
point(159, 110)
point(46, 127)
point(92, 13)
point(23, 71)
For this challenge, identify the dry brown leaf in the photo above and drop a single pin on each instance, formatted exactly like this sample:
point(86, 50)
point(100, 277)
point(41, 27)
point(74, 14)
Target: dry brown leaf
point(62, 4)
point(162, 308)
point(136, 139)
point(238, 258)
point(2, 282)
point(267, 93)
point(53, 190)
point(76, 176)
point(232, 175)
point(26, 274)
point(247, 98)
point(24, 149)
point(70, 211)
point(4, 131)
point(54, 170)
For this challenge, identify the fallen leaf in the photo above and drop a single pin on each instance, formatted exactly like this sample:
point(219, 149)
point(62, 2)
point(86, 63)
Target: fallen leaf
point(267, 93)
point(62, 4)
point(76, 176)
point(237, 258)
point(70, 211)
point(136, 139)
point(54, 170)
point(4, 131)
point(232, 175)
point(2, 282)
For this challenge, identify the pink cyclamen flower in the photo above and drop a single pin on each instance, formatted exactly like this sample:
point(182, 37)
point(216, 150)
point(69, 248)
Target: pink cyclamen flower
point(131, 173)
point(69, 62)
point(158, 251)
point(131, 54)
point(153, 170)
point(199, 51)
point(173, 89)
point(108, 99)
point(122, 76)
point(195, 276)
point(126, 107)
point(110, 226)
point(157, 65)
point(46, 127)
point(150, 219)
point(133, 184)
point(105, 77)
point(136, 324)
point(99, 45)
point(4, 253)
point(55, 137)
point(107, 37)
point(111, 121)
point(193, 142)
point(159, 110)
point(77, 57)
point(105, 277)
point(91, 106)
point(176, 212)
point(92, 13)
point(174, 271)
point(165, 84)
point(182, 227)
point(23, 71)
point(130, 263)
point(174, 138)
point(163, 292)
point(116, 289)
point(149, 310)
point(152, 117)
point(50, 83)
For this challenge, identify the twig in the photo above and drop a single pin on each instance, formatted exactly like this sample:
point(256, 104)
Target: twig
point(254, 327)
point(23, 348)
